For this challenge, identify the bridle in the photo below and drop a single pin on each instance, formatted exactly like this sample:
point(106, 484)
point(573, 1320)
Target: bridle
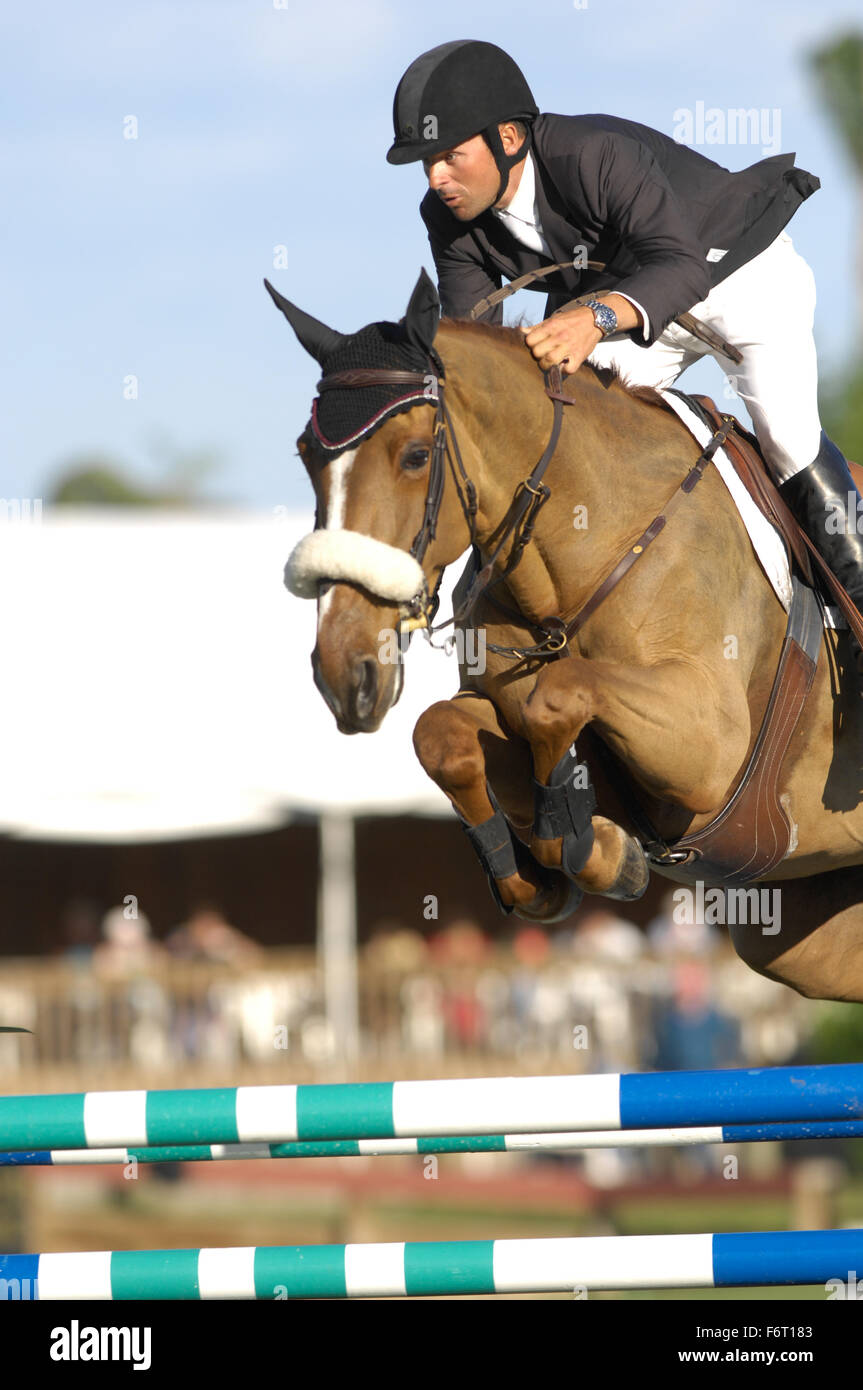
point(530, 495)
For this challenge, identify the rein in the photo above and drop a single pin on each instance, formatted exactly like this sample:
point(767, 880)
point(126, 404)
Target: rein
point(686, 321)
point(561, 632)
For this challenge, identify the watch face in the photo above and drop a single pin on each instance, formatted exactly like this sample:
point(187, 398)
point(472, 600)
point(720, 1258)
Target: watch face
point(605, 318)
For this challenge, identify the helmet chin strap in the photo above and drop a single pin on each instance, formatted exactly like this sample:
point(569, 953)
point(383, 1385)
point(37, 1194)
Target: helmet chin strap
point(504, 162)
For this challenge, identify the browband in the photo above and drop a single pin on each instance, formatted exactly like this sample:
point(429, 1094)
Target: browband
point(376, 376)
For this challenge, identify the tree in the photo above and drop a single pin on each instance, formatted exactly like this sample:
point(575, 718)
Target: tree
point(838, 71)
point(99, 481)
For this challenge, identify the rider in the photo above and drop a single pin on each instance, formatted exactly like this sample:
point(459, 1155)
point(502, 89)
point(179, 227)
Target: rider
point(511, 190)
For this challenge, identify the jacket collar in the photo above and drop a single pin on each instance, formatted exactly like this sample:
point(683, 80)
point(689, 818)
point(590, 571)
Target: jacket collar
point(562, 236)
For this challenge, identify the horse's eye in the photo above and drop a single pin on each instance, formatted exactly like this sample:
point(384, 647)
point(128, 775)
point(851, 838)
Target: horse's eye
point(416, 457)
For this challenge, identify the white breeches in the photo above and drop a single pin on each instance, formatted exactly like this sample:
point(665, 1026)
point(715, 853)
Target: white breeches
point(766, 309)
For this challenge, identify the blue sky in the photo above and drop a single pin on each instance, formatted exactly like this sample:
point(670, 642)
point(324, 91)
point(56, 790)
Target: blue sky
point(260, 127)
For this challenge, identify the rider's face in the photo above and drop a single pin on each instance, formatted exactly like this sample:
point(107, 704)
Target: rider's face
point(465, 178)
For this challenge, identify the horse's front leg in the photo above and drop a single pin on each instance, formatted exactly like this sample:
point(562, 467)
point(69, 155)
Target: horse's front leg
point(486, 773)
point(682, 736)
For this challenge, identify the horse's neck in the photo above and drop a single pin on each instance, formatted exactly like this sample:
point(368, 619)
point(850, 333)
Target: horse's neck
point(617, 460)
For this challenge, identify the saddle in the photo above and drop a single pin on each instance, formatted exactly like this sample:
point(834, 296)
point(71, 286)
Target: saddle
point(742, 448)
point(753, 833)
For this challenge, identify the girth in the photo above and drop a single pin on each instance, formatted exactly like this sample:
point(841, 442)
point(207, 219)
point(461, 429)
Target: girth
point(752, 833)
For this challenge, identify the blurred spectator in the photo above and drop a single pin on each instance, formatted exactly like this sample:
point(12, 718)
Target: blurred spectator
point(462, 942)
point(394, 947)
point(602, 935)
point(531, 946)
point(127, 947)
point(139, 1011)
point(207, 935)
point(80, 926)
point(462, 945)
point(79, 930)
point(465, 1017)
point(420, 1030)
point(690, 1032)
point(212, 1024)
point(678, 930)
point(602, 1020)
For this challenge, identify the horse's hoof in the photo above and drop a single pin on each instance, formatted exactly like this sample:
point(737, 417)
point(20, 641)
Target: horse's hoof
point(570, 897)
point(633, 875)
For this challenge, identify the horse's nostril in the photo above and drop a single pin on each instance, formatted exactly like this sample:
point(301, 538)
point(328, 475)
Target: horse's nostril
point(365, 687)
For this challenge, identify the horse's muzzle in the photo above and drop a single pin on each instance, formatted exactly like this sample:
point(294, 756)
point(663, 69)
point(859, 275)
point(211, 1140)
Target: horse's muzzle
point(355, 707)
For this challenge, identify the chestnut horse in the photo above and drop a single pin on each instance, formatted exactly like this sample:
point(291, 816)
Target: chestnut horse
point(650, 674)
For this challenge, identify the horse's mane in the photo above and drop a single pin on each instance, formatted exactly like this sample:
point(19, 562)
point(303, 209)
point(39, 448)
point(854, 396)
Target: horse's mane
point(607, 377)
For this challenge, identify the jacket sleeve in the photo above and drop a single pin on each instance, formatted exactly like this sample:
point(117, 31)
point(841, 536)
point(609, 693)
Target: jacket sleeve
point(463, 278)
point(627, 192)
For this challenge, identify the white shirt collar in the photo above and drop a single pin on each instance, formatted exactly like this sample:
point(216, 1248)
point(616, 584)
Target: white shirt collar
point(523, 205)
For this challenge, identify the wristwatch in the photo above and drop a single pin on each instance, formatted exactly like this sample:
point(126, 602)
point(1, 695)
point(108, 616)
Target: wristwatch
point(603, 316)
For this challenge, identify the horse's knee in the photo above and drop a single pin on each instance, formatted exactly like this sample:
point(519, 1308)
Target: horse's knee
point(447, 746)
point(557, 708)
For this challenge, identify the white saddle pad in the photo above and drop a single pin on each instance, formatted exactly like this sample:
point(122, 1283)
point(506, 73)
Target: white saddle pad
point(766, 541)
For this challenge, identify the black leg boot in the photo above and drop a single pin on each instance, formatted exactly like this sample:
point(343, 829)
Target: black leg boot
point(825, 500)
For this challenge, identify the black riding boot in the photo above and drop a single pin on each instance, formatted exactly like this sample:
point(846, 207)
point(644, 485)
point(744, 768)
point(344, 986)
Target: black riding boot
point(825, 500)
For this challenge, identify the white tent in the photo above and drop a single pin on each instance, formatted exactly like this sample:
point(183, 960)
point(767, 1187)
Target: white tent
point(158, 684)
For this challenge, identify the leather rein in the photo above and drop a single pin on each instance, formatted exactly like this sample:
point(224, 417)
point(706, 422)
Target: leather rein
point(529, 497)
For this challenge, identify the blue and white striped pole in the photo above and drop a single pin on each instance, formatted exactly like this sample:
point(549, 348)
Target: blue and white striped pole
point(411, 1109)
point(441, 1268)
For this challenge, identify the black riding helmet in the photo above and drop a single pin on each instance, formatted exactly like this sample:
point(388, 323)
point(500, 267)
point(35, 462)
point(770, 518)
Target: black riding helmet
point(456, 91)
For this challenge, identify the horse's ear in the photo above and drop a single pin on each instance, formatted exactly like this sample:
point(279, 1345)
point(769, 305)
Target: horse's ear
point(423, 313)
point(314, 336)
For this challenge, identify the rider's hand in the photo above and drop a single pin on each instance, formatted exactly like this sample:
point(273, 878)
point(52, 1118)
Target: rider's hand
point(570, 335)
point(564, 340)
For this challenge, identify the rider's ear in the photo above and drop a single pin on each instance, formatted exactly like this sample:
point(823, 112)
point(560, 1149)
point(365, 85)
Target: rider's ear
point(423, 313)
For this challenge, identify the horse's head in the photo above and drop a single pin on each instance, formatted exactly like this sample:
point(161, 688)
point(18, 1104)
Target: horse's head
point(385, 526)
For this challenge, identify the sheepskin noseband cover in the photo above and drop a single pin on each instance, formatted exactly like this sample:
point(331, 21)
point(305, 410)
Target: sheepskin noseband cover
point(348, 555)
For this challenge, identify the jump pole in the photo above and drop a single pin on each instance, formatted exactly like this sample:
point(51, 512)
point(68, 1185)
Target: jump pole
point(442, 1268)
point(452, 1144)
point(411, 1109)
